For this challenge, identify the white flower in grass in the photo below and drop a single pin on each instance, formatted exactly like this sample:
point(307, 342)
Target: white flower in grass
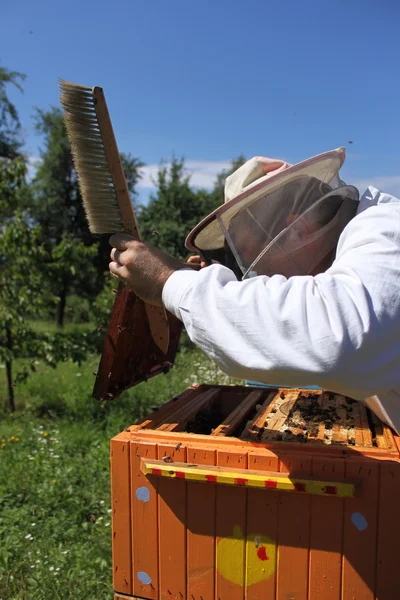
point(37, 561)
point(51, 568)
point(107, 524)
point(58, 568)
point(29, 537)
point(65, 552)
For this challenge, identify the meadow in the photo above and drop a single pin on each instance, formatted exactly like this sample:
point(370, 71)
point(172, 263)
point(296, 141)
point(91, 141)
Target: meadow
point(55, 513)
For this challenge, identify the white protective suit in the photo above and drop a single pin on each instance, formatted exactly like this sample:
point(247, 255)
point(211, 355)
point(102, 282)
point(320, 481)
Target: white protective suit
point(339, 330)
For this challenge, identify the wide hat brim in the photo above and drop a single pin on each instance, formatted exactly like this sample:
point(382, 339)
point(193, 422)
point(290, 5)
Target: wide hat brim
point(208, 235)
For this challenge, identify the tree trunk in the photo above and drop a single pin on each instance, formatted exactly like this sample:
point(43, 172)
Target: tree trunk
point(61, 305)
point(9, 370)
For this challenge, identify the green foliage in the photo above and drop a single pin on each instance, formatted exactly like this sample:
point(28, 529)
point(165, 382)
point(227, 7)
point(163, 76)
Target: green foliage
point(177, 208)
point(23, 261)
point(58, 207)
point(10, 126)
point(13, 189)
point(131, 166)
point(174, 210)
point(55, 531)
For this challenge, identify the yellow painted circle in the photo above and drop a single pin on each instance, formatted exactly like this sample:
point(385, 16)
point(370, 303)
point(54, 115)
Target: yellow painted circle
point(255, 557)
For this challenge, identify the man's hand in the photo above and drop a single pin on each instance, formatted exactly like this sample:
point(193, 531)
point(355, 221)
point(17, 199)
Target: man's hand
point(141, 267)
point(196, 262)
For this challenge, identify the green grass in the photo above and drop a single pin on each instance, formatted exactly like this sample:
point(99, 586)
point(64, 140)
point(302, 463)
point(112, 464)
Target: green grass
point(55, 525)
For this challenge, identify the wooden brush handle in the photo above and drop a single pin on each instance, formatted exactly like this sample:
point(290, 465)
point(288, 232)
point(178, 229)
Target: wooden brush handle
point(156, 315)
point(114, 164)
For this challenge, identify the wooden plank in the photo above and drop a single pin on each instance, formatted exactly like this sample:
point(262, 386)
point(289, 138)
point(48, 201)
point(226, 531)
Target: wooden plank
point(248, 478)
point(230, 532)
point(234, 420)
point(279, 418)
point(180, 418)
point(366, 431)
point(379, 431)
point(262, 534)
point(320, 435)
point(359, 435)
point(158, 416)
point(144, 523)
point(123, 597)
point(360, 533)
point(325, 569)
point(340, 434)
point(324, 400)
point(390, 440)
point(253, 429)
point(122, 557)
point(172, 530)
point(339, 430)
point(388, 531)
point(293, 535)
point(201, 531)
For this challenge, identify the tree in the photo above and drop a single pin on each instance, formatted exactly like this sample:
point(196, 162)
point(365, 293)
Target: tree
point(176, 208)
point(218, 191)
point(173, 210)
point(10, 126)
point(58, 208)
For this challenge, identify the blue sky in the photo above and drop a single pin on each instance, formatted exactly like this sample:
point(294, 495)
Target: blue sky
point(213, 79)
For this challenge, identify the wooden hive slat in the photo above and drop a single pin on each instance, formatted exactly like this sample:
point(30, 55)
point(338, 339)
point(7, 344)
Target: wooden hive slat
point(144, 520)
point(339, 433)
point(180, 418)
point(201, 506)
point(256, 426)
point(279, 418)
point(233, 421)
point(380, 437)
point(172, 502)
point(158, 416)
point(366, 431)
point(359, 435)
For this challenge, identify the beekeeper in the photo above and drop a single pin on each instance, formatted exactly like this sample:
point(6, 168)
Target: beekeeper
point(303, 282)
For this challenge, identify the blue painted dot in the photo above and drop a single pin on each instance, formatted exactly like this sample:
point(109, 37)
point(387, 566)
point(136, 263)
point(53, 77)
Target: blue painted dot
point(143, 494)
point(144, 577)
point(359, 521)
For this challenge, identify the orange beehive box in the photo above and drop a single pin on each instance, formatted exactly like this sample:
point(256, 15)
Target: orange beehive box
point(234, 493)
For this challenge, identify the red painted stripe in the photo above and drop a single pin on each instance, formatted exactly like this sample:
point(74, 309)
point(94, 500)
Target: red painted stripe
point(299, 487)
point(269, 483)
point(331, 489)
point(240, 481)
point(211, 478)
point(180, 475)
point(155, 471)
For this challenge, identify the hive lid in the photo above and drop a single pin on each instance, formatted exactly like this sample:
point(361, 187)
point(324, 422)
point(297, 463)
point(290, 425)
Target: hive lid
point(130, 354)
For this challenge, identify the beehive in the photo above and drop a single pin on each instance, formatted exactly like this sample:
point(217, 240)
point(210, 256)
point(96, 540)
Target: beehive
point(233, 493)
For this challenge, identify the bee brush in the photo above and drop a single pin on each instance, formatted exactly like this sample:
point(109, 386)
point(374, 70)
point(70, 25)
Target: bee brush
point(102, 182)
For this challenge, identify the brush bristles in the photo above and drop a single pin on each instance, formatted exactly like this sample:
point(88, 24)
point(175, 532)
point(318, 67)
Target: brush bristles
point(97, 188)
